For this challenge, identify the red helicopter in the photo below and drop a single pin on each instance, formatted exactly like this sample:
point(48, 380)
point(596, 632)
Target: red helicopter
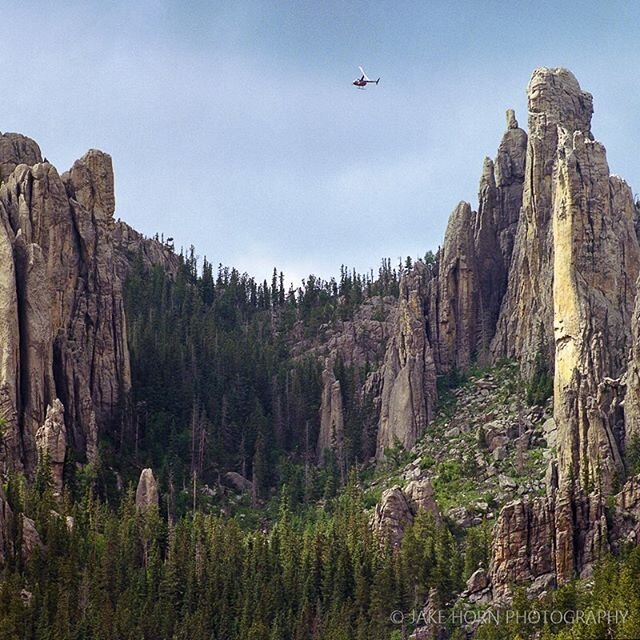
point(363, 81)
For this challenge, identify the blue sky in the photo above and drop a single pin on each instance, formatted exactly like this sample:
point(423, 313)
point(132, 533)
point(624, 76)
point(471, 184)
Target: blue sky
point(234, 125)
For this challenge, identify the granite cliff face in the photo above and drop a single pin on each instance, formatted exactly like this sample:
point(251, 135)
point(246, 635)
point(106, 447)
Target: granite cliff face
point(546, 274)
point(331, 435)
point(596, 264)
point(64, 362)
point(51, 440)
point(64, 331)
point(500, 200)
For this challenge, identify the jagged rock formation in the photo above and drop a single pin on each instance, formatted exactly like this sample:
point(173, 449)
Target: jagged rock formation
point(398, 508)
point(500, 200)
point(473, 263)
point(455, 303)
point(147, 491)
point(51, 440)
point(356, 342)
point(525, 326)
point(331, 436)
point(62, 325)
point(408, 374)
point(626, 516)
point(392, 516)
point(446, 314)
point(454, 295)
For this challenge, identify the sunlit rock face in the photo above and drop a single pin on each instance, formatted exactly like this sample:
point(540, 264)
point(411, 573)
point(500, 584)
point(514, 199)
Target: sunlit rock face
point(525, 327)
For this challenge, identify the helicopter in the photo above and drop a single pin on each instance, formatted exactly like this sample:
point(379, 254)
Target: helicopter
point(363, 80)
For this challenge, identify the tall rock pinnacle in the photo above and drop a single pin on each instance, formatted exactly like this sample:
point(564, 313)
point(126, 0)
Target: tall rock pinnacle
point(596, 264)
point(525, 327)
point(409, 373)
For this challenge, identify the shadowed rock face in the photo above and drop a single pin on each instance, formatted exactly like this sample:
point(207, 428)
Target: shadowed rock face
point(500, 200)
point(6, 517)
point(62, 325)
point(398, 508)
point(408, 374)
point(447, 312)
point(331, 434)
point(632, 378)
point(454, 312)
point(131, 245)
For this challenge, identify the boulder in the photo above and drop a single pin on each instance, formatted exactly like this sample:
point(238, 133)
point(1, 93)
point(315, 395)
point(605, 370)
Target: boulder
point(238, 482)
point(478, 581)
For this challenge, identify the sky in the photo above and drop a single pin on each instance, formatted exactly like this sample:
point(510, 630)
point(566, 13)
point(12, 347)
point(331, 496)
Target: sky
point(233, 126)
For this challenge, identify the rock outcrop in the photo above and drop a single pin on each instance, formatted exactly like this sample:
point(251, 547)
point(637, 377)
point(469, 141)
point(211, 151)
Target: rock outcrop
point(17, 149)
point(453, 313)
point(473, 264)
point(626, 515)
point(132, 246)
point(51, 440)
point(398, 508)
point(524, 545)
point(408, 374)
point(499, 203)
point(62, 325)
point(392, 516)
point(30, 541)
point(147, 496)
point(331, 435)
point(239, 482)
point(545, 542)
point(6, 518)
